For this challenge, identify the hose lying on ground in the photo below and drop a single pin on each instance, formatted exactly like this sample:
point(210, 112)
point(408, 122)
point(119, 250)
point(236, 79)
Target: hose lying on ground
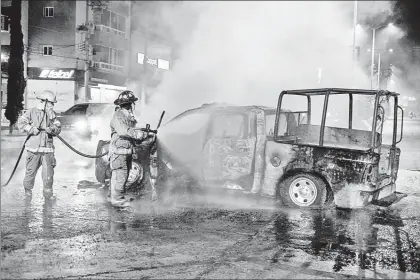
point(62, 140)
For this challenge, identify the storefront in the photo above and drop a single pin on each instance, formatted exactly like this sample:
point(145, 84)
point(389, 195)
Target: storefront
point(60, 81)
point(104, 87)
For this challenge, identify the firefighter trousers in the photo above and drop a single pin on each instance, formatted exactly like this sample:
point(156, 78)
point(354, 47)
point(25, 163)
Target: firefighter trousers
point(120, 168)
point(33, 162)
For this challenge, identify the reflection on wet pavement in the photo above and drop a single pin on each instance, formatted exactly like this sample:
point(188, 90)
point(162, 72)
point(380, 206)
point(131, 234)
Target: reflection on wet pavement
point(366, 239)
point(327, 244)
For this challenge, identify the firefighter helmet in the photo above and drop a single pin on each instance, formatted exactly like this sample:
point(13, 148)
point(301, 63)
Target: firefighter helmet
point(47, 95)
point(125, 97)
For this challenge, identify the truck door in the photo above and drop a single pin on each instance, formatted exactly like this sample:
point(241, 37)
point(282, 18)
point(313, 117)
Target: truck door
point(229, 147)
point(389, 152)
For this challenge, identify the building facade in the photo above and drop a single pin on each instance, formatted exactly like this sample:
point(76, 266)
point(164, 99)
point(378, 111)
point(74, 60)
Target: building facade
point(71, 44)
point(5, 48)
point(52, 64)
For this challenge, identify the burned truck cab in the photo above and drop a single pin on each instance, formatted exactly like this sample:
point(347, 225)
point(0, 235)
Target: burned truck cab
point(343, 149)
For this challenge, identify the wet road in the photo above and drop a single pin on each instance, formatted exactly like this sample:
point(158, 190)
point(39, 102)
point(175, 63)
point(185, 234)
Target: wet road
point(80, 236)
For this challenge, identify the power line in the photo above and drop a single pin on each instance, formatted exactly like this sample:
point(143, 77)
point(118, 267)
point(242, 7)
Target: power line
point(39, 53)
point(39, 43)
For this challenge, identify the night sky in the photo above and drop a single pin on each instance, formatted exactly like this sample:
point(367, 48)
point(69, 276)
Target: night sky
point(407, 16)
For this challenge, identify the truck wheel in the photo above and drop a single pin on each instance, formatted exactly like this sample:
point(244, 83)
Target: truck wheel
point(303, 191)
point(101, 166)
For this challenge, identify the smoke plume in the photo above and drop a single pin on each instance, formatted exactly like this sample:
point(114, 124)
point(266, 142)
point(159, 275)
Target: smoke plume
point(248, 52)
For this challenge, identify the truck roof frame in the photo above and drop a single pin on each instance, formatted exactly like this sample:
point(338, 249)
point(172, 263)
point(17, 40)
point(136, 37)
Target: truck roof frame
point(308, 93)
point(323, 91)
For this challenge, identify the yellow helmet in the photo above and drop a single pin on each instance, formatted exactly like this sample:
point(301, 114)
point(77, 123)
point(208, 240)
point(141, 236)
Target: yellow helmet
point(47, 95)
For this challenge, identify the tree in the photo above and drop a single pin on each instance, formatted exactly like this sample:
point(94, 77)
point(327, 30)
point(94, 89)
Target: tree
point(16, 82)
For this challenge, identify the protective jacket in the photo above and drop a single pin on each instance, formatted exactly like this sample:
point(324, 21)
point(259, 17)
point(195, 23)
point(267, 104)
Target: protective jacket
point(122, 132)
point(36, 118)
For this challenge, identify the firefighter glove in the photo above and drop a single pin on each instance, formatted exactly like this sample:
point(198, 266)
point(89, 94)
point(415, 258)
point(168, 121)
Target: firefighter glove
point(141, 135)
point(49, 130)
point(34, 131)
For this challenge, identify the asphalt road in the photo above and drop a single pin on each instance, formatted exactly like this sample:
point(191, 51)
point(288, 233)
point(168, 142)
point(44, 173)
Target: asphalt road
point(215, 237)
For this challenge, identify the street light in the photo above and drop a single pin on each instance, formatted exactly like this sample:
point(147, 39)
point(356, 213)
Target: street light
point(379, 66)
point(355, 24)
point(373, 52)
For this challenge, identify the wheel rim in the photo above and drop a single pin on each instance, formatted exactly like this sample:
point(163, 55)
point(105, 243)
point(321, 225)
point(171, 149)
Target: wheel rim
point(135, 174)
point(303, 192)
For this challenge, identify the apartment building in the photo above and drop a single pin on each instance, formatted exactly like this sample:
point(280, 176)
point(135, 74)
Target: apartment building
point(69, 39)
point(52, 61)
point(5, 42)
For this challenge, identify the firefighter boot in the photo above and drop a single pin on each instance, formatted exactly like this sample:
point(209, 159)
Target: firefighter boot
point(28, 195)
point(48, 196)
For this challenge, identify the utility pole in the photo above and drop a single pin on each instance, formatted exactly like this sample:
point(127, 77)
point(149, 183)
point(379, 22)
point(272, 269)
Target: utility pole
point(354, 39)
point(87, 61)
point(379, 70)
point(145, 80)
point(372, 65)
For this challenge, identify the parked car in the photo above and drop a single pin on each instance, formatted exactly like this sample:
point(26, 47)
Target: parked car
point(87, 119)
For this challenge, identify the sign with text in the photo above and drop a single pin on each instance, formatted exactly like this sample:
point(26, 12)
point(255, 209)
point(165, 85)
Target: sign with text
point(51, 74)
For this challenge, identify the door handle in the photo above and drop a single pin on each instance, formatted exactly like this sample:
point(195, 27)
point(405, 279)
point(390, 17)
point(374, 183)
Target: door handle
point(402, 123)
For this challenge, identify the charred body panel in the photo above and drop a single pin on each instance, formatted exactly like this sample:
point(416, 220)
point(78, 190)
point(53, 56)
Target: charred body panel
point(346, 172)
point(356, 165)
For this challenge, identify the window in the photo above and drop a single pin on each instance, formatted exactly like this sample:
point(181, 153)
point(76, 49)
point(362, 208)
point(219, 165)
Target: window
point(113, 20)
point(77, 110)
point(188, 123)
point(110, 55)
point(229, 125)
point(47, 50)
point(287, 122)
point(338, 111)
point(48, 12)
point(4, 23)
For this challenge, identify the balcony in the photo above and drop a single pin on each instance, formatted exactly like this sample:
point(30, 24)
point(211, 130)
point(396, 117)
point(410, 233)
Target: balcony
point(107, 29)
point(5, 25)
point(102, 66)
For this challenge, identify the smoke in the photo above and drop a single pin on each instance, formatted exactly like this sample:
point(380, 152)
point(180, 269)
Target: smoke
point(374, 13)
point(248, 52)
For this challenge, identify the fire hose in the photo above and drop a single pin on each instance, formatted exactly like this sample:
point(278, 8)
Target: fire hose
point(147, 129)
point(62, 140)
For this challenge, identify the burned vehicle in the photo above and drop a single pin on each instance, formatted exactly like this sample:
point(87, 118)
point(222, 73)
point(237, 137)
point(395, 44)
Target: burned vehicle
point(322, 147)
point(325, 147)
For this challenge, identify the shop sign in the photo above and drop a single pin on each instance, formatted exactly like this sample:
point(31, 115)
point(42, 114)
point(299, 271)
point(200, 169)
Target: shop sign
point(152, 61)
point(53, 74)
point(97, 80)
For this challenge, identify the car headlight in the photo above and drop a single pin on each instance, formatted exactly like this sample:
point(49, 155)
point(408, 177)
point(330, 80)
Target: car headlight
point(81, 126)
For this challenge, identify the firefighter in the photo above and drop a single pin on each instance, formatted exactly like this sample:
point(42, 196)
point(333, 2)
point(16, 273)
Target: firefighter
point(121, 147)
point(41, 123)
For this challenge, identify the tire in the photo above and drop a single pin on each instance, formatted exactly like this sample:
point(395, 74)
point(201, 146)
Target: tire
point(313, 194)
point(101, 166)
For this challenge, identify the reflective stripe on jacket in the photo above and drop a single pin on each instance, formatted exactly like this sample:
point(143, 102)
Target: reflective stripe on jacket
point(122, 132)
point(32, 119)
